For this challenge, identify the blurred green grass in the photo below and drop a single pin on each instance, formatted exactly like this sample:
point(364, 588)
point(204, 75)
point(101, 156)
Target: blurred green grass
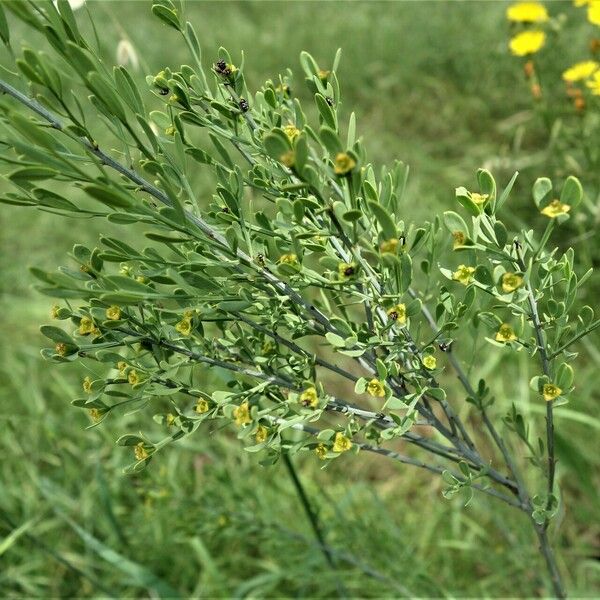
point(432, 84)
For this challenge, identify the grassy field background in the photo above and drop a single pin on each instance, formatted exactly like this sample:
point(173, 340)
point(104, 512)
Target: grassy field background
point(432, 84)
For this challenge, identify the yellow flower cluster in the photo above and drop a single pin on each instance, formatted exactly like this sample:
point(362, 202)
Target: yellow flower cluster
point(343, 164)
point(376, 388)
point(463, 274)
point(241, 414)
point(309, 398)
point(429, 362)
point(389, 246)
point(341, 443)
point(506, 334)
point(555, 209)
point(580, 71)
point(398, 313)
point(550, 391)
point(510, 282)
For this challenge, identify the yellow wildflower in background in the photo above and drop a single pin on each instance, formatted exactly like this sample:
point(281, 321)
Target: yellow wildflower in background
point(122, 366)
point(463, 274)
point(551, 391)
point(527, 12)
point(429, 362)
point(397, 313)
point(375, 388)
point(341, 443)
point(113, 313)
point(261, 434)
point(581, 70)
point(593, 12)
point(54, 311)
point(389, 246)
point(87, 385)
point(506, 334)
point(343, 163)
point(594, 84)
point(241, 414)
point(309, 398)
point(555, 209)
point(527, 42)
point(510, 282)
point(201, 406)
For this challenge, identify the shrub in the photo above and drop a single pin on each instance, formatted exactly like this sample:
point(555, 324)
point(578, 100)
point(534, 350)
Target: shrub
point(299, 303)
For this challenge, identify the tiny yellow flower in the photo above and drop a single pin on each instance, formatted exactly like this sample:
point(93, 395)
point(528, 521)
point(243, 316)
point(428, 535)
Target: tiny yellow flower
point(140, 451)
point(309, 398)
point(593, 12)
point(113, 313)
point(288, 259)
point(86, 326)
point(202, 406)
point(291, 131)
point(463, 274)
point(429, 362)
point(323, 74)
point(510, 282)
point(398, 313)
point(60, 349)
point(321, 451)
point(527, 42)
point(184, 327)
point(95, 414)
point(170, 419)
point(389, 246)
point(261, 434)
point(54, 311)
point(288, 159)
point(133, 378)
point(458, 239)
point(580, 71)
point(551, 391)
point(346, 270)
point(341, 443)
point(141, 279)
point(375, 388)
point(555, 209)
point(122, 366)
point(479, 199)
point(170, 131)
point(594, 83)
point(506, 333)
point(527, 12)
point(87, 385)
point(241, 414)
point(343, 163)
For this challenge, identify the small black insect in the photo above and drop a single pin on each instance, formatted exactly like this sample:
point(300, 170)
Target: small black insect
point(329, 100)
point(445, 346)
point(163, 91)
point(244, 106)
point(349, 271)
point(222, 68)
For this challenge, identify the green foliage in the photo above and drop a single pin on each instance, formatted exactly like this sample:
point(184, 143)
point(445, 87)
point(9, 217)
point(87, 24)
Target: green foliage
point(302, 263)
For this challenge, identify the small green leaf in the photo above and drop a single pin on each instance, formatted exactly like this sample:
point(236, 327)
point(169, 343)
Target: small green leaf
point(572, 192)
point(384, 219)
